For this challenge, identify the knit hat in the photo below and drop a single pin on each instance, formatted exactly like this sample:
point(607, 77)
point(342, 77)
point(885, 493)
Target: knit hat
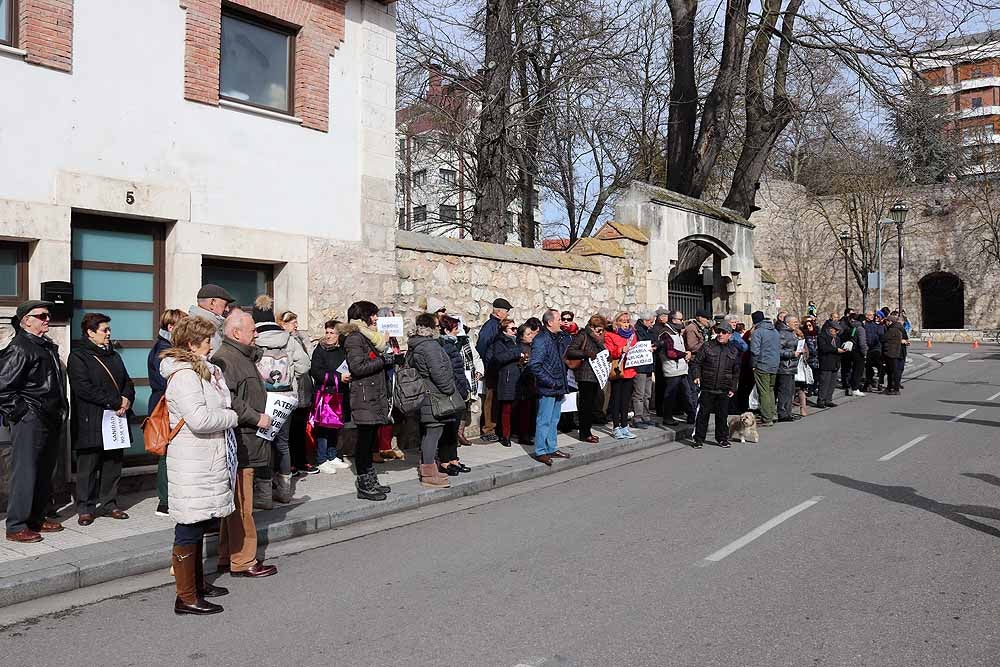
point(263, 309)
point(434, 304)
point(757, 317)
point(703, 313)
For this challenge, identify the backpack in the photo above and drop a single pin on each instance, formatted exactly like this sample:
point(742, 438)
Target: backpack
point(408, 391)
point(275, 369)
point(156, 431)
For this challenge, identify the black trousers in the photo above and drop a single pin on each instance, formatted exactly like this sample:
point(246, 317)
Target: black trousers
point(784, 392)
point(448, 443)
point(873, 366)
point(677, 394)
point(857, 369)
point(892, 374)
point(827, 379)
point(621, 401)
point(587, 406)
point(367, 436)
point(709, 403)
point(97, 475)
point(659, 385)
point(186, 534)
point(34, 452)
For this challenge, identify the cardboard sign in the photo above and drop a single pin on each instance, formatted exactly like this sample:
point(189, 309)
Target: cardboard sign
point(641, 354)
point(115, 431)
point(602, 367)
point(391, 326)
point(279, 407)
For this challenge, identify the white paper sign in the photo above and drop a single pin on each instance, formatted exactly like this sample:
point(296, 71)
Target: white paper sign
point(391, 326)
point(569, 403)
point(800, 346)
point(115, 431)
point(279, 407)
point(602, 367)
point(641, 354)
point(343, 369)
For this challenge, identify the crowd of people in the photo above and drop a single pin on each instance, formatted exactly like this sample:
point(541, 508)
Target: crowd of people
point(220, 369)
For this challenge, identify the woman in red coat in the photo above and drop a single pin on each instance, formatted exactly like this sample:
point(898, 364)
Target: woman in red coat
point(618, 340)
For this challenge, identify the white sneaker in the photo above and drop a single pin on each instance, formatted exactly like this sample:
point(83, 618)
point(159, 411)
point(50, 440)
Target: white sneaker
point(327, 467)
point(339, 463)
point(629, 435)
point(858, 392)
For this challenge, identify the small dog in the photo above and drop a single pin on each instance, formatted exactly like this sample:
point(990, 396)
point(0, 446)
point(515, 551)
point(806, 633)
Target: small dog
point(744, 427)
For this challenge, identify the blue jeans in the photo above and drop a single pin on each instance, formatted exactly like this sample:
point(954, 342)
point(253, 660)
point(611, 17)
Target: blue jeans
point(549, 409)
point(326, 444)
point(283, 461)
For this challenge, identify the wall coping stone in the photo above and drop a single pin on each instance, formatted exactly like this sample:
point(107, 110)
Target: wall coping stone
point(675, 200)
point(613, 230)
point(501, 253)
point(595, 246)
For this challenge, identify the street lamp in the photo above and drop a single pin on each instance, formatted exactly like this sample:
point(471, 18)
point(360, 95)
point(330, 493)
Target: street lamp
point(845, 238)
point(898, 215)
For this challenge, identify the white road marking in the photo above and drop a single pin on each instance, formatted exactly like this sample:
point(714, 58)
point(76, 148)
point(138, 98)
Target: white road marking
point(975, 361)
point(953, 357)
point(758, 531)
point(931, 355)
point(902, 449)
point(962, 416)
point(994, 397)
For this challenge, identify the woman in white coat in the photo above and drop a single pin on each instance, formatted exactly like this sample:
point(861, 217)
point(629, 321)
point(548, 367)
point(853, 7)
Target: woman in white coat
point(201, 459)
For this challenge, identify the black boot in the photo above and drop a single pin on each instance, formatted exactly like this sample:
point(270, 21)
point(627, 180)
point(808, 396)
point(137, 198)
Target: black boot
point(205, 589)
point(366, 488)
point(381, 488)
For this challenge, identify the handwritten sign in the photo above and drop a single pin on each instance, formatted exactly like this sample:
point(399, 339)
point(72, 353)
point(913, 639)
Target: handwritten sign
point(602, 367)
point(391, 326)
point(641, 354)
point(279, 406)
point(114, 430)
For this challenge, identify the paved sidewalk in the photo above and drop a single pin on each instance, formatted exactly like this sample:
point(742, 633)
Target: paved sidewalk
point(109, 549)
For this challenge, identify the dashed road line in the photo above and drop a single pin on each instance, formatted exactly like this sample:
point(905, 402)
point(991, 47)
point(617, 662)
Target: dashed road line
point(994, 397)
point(757, 532)
point(953, 357)
point(902, 449)
point(962, 416)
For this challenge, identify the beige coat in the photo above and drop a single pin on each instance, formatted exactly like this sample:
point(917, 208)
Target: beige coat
point(198, 484)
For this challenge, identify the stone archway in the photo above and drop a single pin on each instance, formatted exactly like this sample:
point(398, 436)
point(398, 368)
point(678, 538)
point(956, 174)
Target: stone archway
point(942, 298)
point(697, 279)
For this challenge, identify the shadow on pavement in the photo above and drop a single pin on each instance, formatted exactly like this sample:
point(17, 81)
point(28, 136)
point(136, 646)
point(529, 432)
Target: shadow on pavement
point(945, 418)
point(907, 495)
point(983, 477)
point(982, 404)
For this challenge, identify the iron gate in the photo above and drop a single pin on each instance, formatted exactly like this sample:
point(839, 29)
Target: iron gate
point(687, 297)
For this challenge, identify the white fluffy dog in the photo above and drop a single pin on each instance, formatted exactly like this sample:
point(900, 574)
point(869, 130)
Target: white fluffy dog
point(744, 428)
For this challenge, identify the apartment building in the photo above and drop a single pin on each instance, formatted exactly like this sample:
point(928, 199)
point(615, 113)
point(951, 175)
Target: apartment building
point(967, 71)
point(435, 165)
point(152, 146)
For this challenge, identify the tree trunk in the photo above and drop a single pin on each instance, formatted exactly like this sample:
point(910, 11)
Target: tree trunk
point(683, 98)
point(492, 152)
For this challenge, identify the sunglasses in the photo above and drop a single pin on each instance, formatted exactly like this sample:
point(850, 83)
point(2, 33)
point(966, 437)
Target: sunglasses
point(567, 319)
point(40, 316)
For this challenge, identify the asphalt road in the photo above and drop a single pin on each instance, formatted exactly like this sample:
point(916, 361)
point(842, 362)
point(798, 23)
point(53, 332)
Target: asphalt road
point(856, 561)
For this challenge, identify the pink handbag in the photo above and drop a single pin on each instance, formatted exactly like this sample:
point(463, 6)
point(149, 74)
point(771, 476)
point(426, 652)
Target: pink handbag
point(328, 408)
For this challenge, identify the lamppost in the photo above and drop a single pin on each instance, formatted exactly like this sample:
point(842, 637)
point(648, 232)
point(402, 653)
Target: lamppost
point(845, 238)
point(898, 214)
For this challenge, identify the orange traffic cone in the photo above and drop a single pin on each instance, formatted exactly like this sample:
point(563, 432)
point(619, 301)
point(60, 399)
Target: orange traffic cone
point(975, 345)
point(929, 344)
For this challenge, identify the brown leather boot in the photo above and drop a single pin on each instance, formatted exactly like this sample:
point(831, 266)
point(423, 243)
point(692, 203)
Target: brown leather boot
point(185, 575)
point(430, 477)
point(802, 404)
point(205, 589)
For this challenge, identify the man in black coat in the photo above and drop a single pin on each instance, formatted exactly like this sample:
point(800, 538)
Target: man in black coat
point(716, 371)
point(33, 403)
point(487, 334)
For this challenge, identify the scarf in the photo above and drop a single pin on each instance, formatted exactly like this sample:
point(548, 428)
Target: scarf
point(377, 338)
point(570, 327)
point(625, 333)
point(165, 335)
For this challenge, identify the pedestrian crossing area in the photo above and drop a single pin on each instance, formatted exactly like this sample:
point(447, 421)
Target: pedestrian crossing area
point(947, 358)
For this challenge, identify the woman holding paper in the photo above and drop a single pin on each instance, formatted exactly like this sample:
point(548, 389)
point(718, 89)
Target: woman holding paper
point(618, 340)
point(102, 396)
point(202, 460)
point(586, 346)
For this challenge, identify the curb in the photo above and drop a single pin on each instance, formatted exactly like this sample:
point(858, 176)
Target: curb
point(84, 566)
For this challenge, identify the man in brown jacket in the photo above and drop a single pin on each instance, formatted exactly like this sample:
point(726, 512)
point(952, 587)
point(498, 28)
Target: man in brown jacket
point(694, 332)
point(237, 358)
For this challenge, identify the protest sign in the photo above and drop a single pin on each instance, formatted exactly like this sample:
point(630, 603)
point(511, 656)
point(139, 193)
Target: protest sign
point(391, 326)
point(640, 354)
point(602, 367)
point(114, 429)
point(279, 407)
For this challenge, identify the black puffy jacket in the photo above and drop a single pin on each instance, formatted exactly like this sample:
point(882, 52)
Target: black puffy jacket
point(31, 378)
point(717, 366)
point(506, 355)
point(93, 391)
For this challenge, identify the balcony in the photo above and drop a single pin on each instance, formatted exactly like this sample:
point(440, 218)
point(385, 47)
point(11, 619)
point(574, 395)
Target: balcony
point(979, 112)
point(967, 84)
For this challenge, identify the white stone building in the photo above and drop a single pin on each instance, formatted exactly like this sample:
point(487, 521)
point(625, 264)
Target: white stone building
point(153, 146)
point(433, 190)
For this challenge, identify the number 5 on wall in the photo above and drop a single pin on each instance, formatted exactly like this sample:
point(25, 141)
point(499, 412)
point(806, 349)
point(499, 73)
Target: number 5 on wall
point(130, 197)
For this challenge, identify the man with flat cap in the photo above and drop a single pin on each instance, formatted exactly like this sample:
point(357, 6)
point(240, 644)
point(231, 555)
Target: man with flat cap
point(213, 305)
point(33, 403)
point(484, 346)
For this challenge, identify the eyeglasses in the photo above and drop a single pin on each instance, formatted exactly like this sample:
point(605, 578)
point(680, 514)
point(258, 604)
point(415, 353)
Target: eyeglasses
point(39, 316)
point(567, 319)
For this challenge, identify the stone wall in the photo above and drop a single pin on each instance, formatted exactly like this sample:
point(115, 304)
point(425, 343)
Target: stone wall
point(468, 275)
